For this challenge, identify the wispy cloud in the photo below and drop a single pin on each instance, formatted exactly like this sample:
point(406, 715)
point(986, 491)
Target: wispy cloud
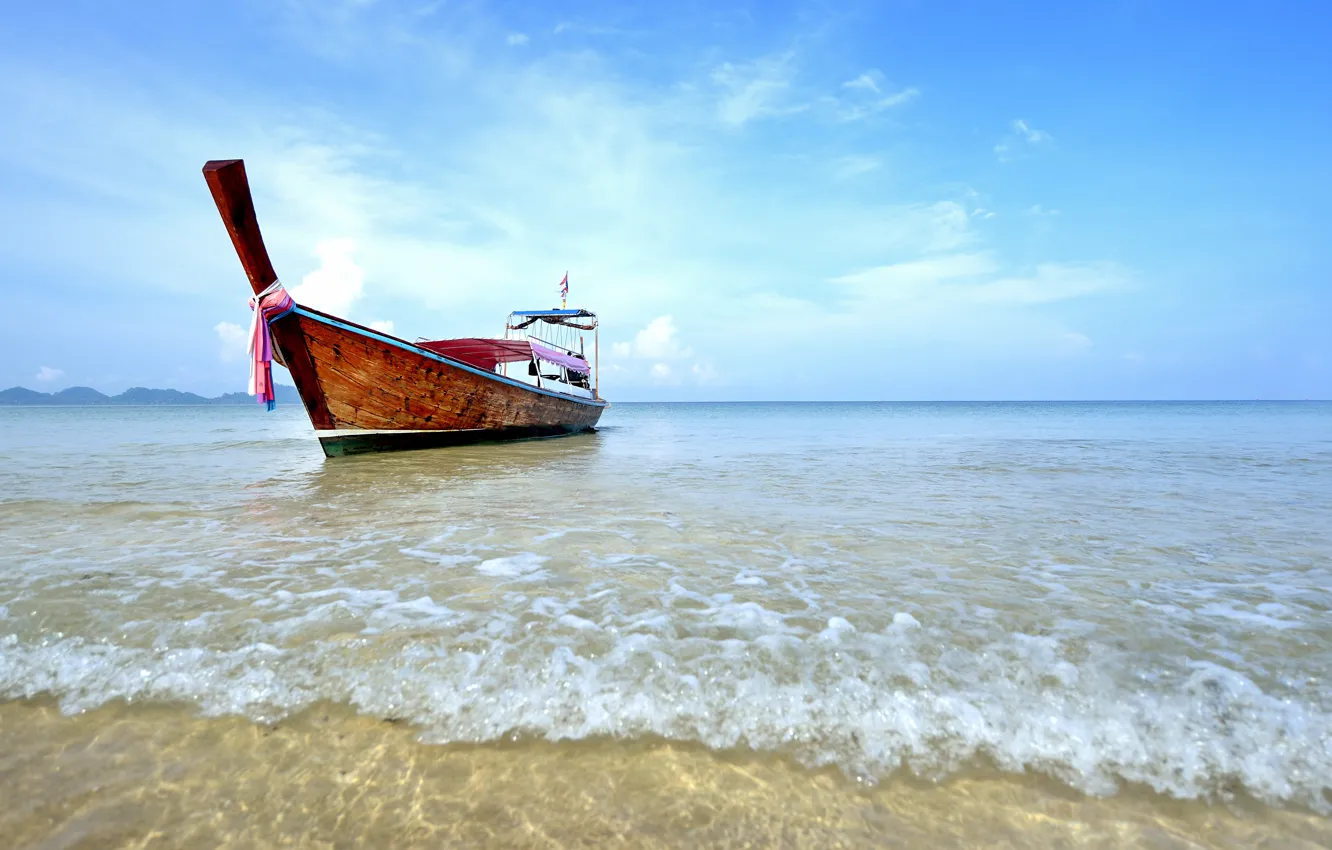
point(915, 278)
point(868, 81)
point(1076, 343)
point(1055, 282)
point(517, 39)
point(1022, 136)
point(49, 373)
point(1030, 134)
point(962, 281)
point(757, 89)
point(855, 165)
point(865, 96)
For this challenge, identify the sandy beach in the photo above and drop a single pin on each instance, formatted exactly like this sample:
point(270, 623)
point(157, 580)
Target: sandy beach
point(162, 777)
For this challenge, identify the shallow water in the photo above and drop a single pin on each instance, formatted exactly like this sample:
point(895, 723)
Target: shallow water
point(1057, 623)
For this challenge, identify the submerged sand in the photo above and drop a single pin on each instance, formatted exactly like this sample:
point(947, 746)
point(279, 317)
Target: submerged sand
point(162, 776)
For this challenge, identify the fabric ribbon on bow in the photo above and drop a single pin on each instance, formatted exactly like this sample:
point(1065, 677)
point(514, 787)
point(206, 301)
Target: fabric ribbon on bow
point(271, 304)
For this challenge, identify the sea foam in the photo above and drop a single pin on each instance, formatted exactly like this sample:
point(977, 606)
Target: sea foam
point(868, 703)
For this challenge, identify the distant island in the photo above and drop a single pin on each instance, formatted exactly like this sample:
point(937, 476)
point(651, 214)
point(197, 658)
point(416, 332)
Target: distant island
point(134, 395)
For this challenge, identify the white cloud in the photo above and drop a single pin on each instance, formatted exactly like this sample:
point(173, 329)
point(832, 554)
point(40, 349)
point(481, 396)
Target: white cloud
point(856, 110)
point(1074, 342)
point(517, 39)
point(867, 80)
point(1023, 135)
point(1032, 135)
point(234, 341)
point(1055, 282)
point(48, 373)
point(847, 167)
point(755, 89)
point(897, 99)
point(384, 327)
point(336, 285)
point(941, 226)
point(912, 278)
point(972, 278)
point(657, 341)
point(866, 97)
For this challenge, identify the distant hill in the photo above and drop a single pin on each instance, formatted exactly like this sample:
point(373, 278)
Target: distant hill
point(134, 395)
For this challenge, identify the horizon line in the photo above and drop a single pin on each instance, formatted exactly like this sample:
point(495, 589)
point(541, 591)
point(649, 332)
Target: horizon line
point(776, 400)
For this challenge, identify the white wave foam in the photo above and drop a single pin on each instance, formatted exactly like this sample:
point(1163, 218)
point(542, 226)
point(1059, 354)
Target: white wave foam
point(869, 703)
point(1260, 618)
point(523, 565)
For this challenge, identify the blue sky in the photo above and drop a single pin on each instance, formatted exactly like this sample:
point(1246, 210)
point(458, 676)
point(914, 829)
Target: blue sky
point(900, 200)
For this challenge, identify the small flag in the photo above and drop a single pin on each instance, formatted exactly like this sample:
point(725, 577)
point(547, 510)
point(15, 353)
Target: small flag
point(564, 290)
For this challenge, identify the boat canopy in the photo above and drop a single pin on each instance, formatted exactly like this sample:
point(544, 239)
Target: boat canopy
point(583, 320)
point(489, 353)
point(559, 358)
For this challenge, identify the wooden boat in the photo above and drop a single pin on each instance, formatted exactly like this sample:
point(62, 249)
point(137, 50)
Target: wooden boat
point(368, 391)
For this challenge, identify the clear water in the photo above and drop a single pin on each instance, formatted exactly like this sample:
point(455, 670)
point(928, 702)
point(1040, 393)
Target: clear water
point(1123, 601)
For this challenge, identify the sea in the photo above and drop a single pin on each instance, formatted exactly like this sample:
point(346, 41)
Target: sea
point(703, 625)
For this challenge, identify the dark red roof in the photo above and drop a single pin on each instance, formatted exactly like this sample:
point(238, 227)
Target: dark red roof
point(482, 353)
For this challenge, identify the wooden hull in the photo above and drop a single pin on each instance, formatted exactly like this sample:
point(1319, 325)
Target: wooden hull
point(366, 392)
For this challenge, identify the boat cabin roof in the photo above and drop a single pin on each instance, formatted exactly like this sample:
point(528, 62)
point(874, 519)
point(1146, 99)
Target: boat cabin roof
point(562, 314)
point(582, 320)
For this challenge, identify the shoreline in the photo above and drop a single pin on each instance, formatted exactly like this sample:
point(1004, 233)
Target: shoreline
point(160, 772)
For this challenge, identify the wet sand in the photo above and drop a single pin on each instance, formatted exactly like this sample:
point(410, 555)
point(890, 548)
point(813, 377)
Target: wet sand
point(162, 776)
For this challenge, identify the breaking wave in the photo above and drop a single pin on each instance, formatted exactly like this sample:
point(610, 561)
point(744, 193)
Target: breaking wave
point(864, 702)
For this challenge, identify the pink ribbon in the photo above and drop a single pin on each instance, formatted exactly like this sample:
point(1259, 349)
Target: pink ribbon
point(268, 305)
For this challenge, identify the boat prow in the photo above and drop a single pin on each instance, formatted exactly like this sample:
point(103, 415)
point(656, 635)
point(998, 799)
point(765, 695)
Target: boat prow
point(367, 391)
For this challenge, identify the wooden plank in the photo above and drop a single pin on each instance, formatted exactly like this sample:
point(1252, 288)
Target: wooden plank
point(231, 192)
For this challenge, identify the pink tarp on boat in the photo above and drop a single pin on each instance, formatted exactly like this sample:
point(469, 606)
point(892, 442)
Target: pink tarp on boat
point(559, 358)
